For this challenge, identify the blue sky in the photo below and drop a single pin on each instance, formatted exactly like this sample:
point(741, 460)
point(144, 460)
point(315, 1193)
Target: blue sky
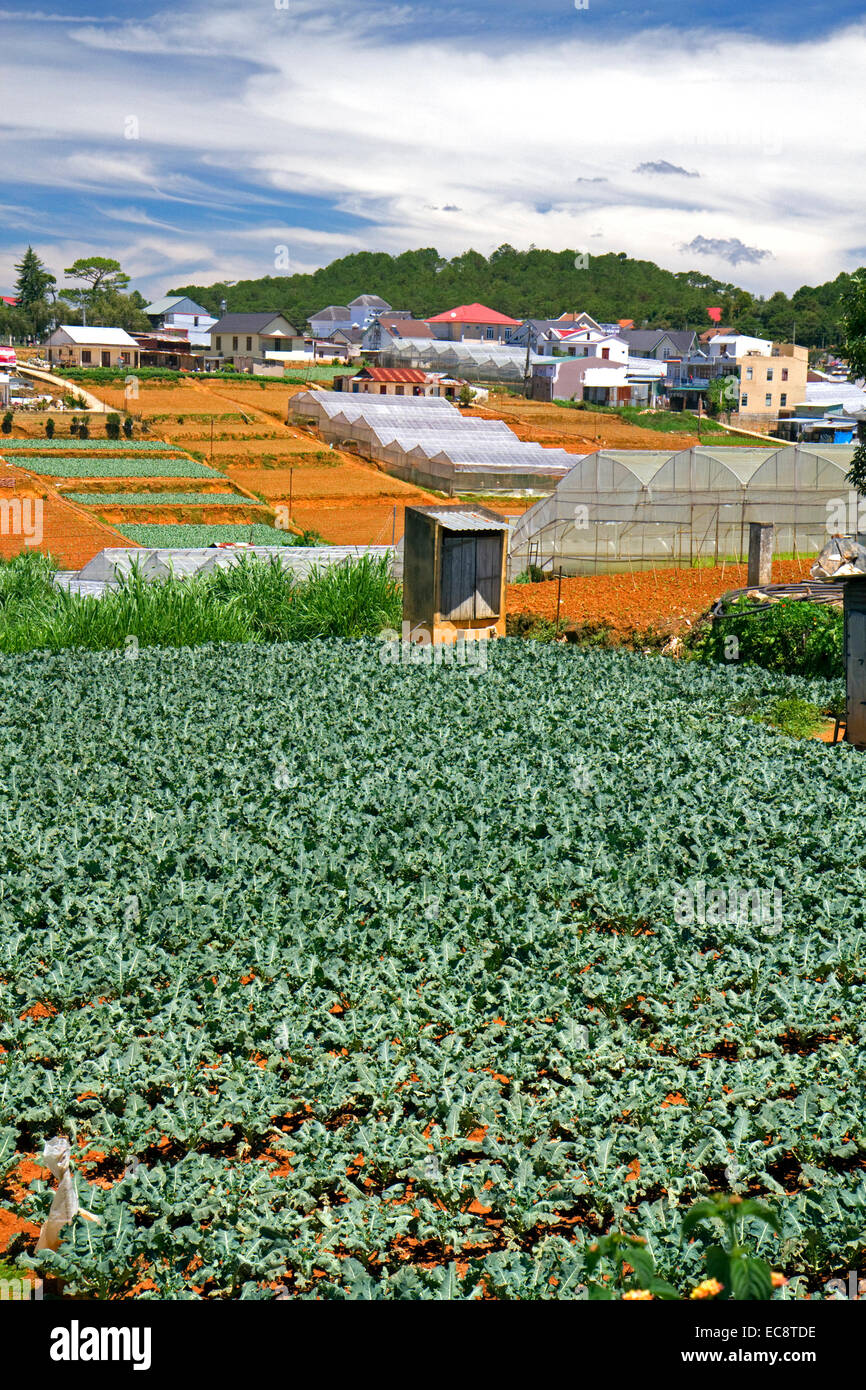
point(205, 139)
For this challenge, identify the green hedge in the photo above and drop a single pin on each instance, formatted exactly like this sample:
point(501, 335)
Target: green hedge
point(793, 635)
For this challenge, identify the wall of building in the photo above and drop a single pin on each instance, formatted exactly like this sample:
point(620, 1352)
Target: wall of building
point(771, 384)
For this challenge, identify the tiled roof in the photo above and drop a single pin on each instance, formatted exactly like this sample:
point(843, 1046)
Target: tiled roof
point(472, 313)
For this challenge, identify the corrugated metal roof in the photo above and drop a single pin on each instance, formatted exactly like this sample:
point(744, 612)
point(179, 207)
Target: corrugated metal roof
point(405, 376)
point(457, 519)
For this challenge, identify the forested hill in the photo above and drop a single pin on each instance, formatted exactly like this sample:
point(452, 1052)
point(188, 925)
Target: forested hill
point(540, 284)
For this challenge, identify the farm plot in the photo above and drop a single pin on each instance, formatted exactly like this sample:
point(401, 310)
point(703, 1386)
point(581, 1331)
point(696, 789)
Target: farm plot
point(87, 446)
point(116, 466)
point(327, 1010)
point(191, 535)
point(175, 398)
point(168, 499)
point(344, 499)
point(670, 600)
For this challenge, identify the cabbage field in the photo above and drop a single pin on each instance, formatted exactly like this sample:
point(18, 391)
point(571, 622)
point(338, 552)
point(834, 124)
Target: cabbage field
point(351, 978)
point(162, 499)
point(116, 466)
point(189, 535)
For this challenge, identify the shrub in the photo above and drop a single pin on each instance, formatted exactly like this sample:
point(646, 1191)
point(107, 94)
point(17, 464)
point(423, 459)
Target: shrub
point(790, 714)
point(127, 426)
point(6, 423)
point(112, 426)
point(49, 429)
point(793, 635)
point(533, 574)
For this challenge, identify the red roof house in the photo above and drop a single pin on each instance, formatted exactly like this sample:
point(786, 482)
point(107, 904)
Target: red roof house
point(473, 321)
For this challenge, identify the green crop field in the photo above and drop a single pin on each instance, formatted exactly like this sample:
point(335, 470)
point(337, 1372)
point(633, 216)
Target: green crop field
point(192, 535)
point(90, 446)
point(162, 499)
point(118, 467)
point(375, 980)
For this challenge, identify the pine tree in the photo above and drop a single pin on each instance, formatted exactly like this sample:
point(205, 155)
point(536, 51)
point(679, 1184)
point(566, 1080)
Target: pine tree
point(34, 280)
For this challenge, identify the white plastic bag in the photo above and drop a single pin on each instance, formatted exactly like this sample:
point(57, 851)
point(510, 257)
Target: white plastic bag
point(64, 1206)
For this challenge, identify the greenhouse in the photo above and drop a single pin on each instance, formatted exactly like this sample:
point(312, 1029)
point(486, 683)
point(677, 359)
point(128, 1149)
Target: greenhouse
point(473, 361)
point(425, 440)
point(633, 509)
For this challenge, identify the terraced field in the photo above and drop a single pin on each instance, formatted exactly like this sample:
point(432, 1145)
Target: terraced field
point(343, 499)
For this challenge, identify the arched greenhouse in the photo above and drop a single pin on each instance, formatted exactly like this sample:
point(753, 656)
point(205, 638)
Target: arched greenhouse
point(634, 509)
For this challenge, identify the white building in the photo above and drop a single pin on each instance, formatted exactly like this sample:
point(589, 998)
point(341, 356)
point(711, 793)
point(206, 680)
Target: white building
point(183, 316)
point(738, 345)
point(74, 345)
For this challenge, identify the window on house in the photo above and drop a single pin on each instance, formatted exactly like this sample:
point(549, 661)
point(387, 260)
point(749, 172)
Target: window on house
point(234, 344)
point(219, 344)
point(744, 401)
point(249, 344)
point(749, 373)
point(605, 352)
point(784, 373)
point(768, 399)
point(489, 333)
point(769, 373)
point(783, 399)
point(85, 355)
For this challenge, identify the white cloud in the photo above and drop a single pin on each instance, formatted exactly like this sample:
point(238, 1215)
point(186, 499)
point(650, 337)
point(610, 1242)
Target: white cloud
point(240, 107)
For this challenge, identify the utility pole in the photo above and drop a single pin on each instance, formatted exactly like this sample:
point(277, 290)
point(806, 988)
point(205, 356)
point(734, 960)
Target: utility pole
point(526, 363)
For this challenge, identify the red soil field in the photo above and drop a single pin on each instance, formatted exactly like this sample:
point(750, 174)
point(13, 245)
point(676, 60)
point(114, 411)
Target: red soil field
point(68, 534)
point(581, 431)
point(669, 599)
point(360, 523)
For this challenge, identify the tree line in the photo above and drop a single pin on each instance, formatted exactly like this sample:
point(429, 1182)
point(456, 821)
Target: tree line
point(541, 284)
point(522, 284)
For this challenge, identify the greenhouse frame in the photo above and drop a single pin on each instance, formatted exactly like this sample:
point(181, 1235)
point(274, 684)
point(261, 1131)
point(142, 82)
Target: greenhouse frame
point(473, 361)
point(425, 440)
point(639, 509)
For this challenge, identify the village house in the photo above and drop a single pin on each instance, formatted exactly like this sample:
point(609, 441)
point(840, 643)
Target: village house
point(175, 314)
point(771, 385)
point(76, 345)
point(405, 381)
point(388, 381)
point(665, 344)
point(473, 322)
point(359, 313)
point(243, 339)
point(389, 330)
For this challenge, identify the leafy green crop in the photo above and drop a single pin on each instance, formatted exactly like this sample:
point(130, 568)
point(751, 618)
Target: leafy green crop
point(90, 446)
point(117, 467)
point(192, 535)
point(366, 979)
point(161, 499)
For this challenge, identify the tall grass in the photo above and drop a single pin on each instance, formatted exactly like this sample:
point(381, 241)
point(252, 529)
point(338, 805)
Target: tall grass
point(255, 601)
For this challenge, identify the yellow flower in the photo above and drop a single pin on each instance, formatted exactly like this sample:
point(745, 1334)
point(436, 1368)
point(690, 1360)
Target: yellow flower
point(708, 1289)
point(637, 1293)
point(779, 1280)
